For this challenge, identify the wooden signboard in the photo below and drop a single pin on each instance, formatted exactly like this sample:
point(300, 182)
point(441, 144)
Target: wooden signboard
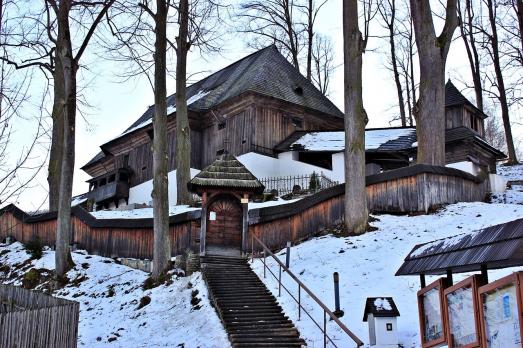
point(462, 313)
point(501, 312)
point(431, 313)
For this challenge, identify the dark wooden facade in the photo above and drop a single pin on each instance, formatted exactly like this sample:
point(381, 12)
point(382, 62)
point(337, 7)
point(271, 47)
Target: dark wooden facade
point(249, 122)
point(415, 189)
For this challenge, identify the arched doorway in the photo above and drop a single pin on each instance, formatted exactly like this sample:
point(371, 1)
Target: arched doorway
point(224, 226)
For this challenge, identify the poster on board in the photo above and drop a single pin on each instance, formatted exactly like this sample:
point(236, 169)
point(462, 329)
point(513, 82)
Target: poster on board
point(462, 323)
point(432, 315)
point(501, 318)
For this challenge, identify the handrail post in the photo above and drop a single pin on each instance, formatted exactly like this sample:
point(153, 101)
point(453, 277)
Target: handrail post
point(264, 264)
point(279, 283)
point(324, 329)
point(299, 301)
point(252, 249)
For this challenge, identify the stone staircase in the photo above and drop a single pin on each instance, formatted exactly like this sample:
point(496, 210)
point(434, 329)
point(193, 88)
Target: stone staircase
point(249, 312)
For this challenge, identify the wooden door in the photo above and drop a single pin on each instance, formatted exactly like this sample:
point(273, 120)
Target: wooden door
point(224, 226)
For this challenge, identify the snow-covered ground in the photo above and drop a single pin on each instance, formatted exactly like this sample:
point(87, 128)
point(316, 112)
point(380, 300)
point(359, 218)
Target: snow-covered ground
point(109, 296)
point(367, 264)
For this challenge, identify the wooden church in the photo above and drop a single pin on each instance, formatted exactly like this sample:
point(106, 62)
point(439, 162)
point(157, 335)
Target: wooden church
point(259, 104)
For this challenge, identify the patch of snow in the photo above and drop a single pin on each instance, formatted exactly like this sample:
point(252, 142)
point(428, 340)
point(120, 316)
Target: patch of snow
point(109, 297)
point(511, 173)
point(143, 213)
point(382, 304)
point(280, 201)
point(78, 200)
point(335, 141)
point(170, 109)
point(366, 265)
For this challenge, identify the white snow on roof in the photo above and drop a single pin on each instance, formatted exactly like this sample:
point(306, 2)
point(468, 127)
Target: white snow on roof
point(143, 213)
point(335, 141)
point(447, 243)
point(382, 304)
point(170, 109)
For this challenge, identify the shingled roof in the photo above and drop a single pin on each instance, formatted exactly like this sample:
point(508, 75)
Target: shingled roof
point(226, 172)
point(380, 307)
point(497, 246)
point(265, 72)
point(453, 97)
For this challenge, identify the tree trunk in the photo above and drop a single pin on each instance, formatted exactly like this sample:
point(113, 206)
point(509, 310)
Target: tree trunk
point(467, 34)
point(183, 131)
point(67, 99)
point(519, 13)
point(162, 243)
point(310, 37)
point(502, 95)
point(412, 79)
point(57, 140)
point(430, 108)
point(392, 42)
point(356, 213)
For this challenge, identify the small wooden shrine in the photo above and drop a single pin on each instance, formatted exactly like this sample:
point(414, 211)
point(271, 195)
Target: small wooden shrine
point(225, 187)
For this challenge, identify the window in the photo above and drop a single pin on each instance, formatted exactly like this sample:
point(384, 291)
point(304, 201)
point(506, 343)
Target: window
point(389, 326)
point(221, 125)
point(111, 178)
point(103, 182)
point(123, 177)
point(125, 162)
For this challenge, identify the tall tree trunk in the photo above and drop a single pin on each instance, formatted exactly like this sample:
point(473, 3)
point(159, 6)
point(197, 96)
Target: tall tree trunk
point(467, 34)
point(310, 38)
point(66, 97)
point(399, 89)
point(183, 131)
point(356, 213)
point(162, 242)
point(432, 52)
point(502, 94)
point(519, 13)
point(57, 140)
point(412, 78)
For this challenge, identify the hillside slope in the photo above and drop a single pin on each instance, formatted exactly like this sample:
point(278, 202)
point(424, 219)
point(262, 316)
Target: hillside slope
point(178, 315)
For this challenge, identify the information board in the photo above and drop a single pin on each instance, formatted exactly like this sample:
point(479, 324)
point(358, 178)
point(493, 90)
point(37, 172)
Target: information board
point(500, 315)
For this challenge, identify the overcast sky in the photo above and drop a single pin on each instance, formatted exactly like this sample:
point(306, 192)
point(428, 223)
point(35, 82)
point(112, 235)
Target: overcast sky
point(117, 104)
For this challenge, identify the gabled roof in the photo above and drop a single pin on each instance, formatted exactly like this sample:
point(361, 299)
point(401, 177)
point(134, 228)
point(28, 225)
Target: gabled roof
point(497, 246)
point(380, 307)
point(266, 72)
point(226, 172)
point(453, 97)
point(376, 140)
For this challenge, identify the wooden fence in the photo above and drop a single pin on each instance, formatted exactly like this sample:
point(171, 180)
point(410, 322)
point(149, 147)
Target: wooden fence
point(33, 319)
point(286, 184)
point(128, 238)
point(415, 189)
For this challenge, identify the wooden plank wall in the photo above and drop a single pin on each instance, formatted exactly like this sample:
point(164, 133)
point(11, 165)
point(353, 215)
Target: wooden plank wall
point(44, 321)
point(414, 194)
point(108, 242)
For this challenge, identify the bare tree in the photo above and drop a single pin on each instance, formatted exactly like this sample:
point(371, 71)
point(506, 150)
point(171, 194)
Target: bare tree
point(494, 132)
point(290, 25)
point(322, 62)
point(432, 52)
point(468, 34)
point(491, 44)
point(388, 14)
point(354, 44)
point(48, 45)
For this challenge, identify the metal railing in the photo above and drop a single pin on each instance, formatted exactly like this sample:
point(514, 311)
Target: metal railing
point(286, 184)
point(326, 311)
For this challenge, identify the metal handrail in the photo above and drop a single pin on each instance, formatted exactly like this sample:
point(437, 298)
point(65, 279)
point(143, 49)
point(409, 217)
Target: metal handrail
point(326, 310)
